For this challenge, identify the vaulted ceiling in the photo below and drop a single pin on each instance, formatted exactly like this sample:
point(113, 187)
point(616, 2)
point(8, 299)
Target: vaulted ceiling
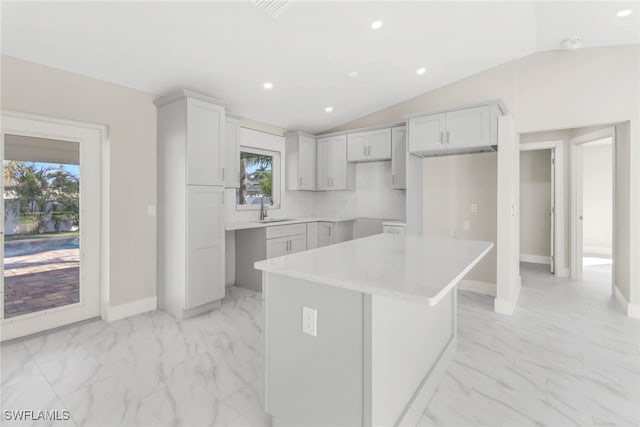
point(230, 49)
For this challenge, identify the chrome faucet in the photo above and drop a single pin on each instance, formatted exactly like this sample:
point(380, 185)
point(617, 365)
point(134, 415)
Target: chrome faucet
point(263, 211)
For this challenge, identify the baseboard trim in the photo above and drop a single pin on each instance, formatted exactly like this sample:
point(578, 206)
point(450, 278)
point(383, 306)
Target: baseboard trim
point(595, 251)
point(477, 286)
point(129, 309)
point(508, 306)
point(631, 310)
point(536, 259)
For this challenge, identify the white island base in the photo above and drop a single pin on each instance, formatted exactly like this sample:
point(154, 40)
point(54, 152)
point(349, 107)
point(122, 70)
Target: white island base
point(385, 329)
point(375, 360)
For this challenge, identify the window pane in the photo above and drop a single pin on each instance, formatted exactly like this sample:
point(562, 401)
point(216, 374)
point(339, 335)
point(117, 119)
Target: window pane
point(256, 179)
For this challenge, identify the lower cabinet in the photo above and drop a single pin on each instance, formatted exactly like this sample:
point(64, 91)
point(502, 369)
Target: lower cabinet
point(334, 232)
point(286, 245)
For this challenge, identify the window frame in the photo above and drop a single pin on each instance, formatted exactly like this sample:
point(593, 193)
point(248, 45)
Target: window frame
point(275, 177)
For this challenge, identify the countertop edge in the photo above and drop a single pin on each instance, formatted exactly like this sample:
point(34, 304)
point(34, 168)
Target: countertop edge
point(233, 226)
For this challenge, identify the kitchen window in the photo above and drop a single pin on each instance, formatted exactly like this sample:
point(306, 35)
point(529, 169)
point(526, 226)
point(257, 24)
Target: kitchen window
point(259, 179)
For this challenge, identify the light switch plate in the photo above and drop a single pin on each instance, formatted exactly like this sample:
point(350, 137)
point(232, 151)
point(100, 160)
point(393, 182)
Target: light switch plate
point(309, 321)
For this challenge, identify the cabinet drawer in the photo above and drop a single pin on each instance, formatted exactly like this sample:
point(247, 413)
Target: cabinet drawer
point(276, 231)
point(297, 229)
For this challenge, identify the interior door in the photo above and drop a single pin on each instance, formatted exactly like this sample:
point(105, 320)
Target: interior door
point(552, 213)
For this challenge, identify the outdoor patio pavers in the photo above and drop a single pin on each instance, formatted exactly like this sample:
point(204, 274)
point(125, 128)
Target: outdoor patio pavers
point(41, 281)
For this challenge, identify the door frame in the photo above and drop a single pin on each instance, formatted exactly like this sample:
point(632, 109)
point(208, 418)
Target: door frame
point(27, 124)
point(576, 229)
point(557, 147)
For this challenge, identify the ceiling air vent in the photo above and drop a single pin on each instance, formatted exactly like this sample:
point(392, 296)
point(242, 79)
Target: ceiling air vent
point(273, 8)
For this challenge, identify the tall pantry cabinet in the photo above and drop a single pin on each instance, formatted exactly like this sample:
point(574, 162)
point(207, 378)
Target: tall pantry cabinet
point(190, 214)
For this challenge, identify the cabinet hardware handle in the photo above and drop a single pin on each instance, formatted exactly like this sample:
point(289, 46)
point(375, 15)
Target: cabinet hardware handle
point(447, 137)
point(223, 174)
point(393, 179)
point(300, 181)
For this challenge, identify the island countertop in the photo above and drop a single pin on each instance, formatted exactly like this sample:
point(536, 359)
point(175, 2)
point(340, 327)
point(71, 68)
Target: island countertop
point(415, 268)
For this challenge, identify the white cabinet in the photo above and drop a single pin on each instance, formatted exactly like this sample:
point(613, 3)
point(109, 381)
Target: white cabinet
point(277, 247)
point(464, 130)
point(312, 235)
point(334, 232)
point(333, 170)
point(394, 228)
point(399, 158)
point(369, 146)
point(205, 245)
point(205, 142)
point(232, 154)
point(300, 161)
point(190, 214)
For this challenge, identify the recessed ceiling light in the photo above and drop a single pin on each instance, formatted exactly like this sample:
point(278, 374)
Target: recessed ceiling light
point(268, 85)
point(623, 12)
point(352, 74)
point(573, 43)
point(328, 109)
point(420, 71)
point(376, 25)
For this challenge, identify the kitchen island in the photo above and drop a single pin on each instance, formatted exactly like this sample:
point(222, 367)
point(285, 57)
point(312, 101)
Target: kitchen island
point(359, 333)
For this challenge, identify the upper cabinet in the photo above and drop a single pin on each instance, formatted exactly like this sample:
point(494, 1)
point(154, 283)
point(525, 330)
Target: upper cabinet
point(465, 130)
point(399, 158)
point(369, 146)
point(232, 153)
point(205, 142)
point(300, 161)
point(333, 170)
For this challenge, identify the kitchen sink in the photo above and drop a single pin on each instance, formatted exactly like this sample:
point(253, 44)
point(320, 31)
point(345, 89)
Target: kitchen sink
point(267, 220)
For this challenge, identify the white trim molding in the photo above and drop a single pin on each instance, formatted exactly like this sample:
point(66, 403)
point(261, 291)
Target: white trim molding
point(631, 310)
point(128, 309)
point(536, 259)
point(508, 306)
point(478, 287)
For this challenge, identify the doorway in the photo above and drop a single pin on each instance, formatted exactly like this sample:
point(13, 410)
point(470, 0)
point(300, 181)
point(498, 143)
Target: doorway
point(542, 205)
point(52, 229)
point(592, 206)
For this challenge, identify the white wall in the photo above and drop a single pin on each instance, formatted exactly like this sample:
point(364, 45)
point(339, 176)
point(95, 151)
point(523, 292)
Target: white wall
point(535, 205)
point(451, 184)
point(597, 199)
point(560, 90)
point(131, 118)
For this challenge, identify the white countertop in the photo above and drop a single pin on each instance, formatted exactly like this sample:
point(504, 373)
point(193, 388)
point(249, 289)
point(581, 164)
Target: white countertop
point(232, 226)
point(408, 267)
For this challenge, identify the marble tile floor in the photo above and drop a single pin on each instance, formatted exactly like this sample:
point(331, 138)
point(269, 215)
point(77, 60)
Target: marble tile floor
point(567, 357)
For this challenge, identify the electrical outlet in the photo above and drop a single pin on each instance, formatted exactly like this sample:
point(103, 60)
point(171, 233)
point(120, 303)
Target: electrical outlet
point(474, 208)
point(309, 321)
point(151, 210)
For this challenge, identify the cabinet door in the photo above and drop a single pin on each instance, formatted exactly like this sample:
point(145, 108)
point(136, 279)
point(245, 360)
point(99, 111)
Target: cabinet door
point(399, 158)
point(379, 145)
point(232, 155)
point(312, 235)
point(307, 163)
point(325, 234)
point(338, 175)
point(357, 147)
point(427, 133)
point(322, 163)
point(205, 143)
point(205, 245)
point(297, 243)
point(469, 127)
point(277, 247)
